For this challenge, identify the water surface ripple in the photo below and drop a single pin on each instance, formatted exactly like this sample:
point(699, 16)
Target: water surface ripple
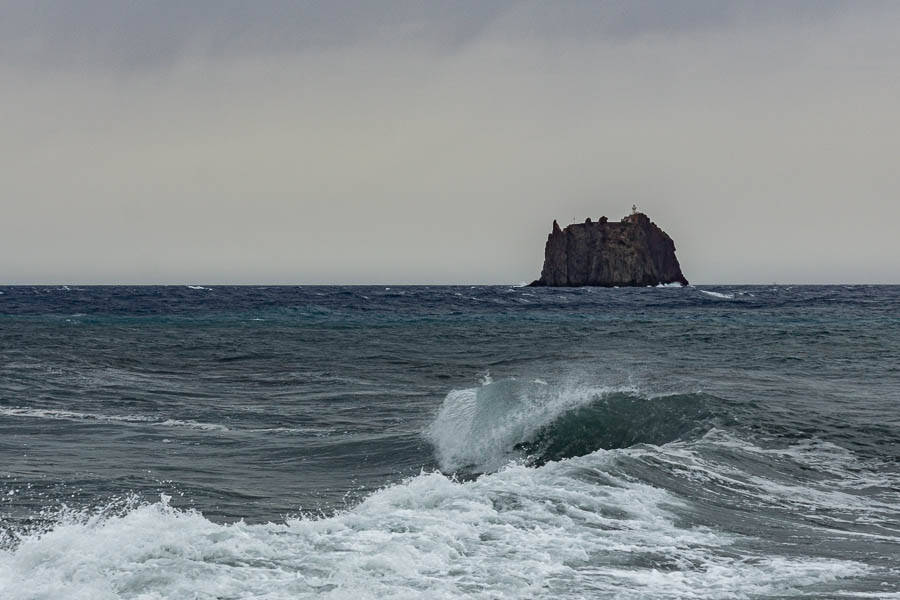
point(449, 442)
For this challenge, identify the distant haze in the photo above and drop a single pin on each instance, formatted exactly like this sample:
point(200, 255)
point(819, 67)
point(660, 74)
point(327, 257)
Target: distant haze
point(435, 142)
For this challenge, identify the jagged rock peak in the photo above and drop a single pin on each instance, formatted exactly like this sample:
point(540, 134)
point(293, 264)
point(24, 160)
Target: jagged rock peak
point(632, 252)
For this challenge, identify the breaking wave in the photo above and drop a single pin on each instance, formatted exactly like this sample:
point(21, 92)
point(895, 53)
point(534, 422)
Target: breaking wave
point(650, 502)
point(571, 529)
point(483, 428)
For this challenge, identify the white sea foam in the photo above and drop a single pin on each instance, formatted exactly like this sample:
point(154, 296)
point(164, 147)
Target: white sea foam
point(68, 415)
point(198, 287)
point(309, 431)
point(674, 284)
point(191, 424)
point(842, 474)
point(717, 294)
point(49, 413)
point(571, 529)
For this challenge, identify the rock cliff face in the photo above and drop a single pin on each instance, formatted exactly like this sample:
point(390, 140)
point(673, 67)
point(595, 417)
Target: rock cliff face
point(633, 252)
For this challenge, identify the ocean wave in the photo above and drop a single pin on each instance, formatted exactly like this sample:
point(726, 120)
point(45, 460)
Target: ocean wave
point(569, 529)
point(481, 429)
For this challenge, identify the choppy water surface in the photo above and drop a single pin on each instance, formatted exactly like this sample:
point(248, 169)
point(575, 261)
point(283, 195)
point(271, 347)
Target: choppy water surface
point(448, 442)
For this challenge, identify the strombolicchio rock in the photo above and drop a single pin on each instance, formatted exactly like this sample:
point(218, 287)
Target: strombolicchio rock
point(632, 252)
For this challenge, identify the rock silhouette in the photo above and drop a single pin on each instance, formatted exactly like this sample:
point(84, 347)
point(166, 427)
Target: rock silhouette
point(632, 252)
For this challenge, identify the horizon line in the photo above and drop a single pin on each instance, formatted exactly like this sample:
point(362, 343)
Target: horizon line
point(519, 284)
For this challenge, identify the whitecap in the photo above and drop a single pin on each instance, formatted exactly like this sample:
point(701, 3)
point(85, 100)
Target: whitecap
point(717, 294)
point(566, 530)
point(478, 428)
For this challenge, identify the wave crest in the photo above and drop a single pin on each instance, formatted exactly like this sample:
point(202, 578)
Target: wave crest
point(481, 429)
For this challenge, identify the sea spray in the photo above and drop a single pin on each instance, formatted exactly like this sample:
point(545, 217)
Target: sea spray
point(520, 532)
point(480, 429)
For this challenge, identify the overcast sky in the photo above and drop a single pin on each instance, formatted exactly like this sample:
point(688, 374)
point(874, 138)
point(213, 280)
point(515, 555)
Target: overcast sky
point(435, 142)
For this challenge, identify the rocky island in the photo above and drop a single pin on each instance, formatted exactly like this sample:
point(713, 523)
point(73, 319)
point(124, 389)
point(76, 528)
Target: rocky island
point(632, 252)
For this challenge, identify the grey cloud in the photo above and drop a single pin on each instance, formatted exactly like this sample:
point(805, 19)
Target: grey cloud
point(155, 33)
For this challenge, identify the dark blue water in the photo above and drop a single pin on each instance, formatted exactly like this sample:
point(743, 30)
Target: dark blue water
point(288, 442)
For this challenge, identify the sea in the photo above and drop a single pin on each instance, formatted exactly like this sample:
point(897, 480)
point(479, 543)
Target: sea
point(213, 442)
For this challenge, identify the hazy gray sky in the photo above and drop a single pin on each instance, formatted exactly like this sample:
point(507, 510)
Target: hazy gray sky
point(434, 142)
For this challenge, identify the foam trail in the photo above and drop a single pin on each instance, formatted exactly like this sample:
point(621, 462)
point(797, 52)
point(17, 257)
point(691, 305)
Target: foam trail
point(717, 294)
point(68, 415)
